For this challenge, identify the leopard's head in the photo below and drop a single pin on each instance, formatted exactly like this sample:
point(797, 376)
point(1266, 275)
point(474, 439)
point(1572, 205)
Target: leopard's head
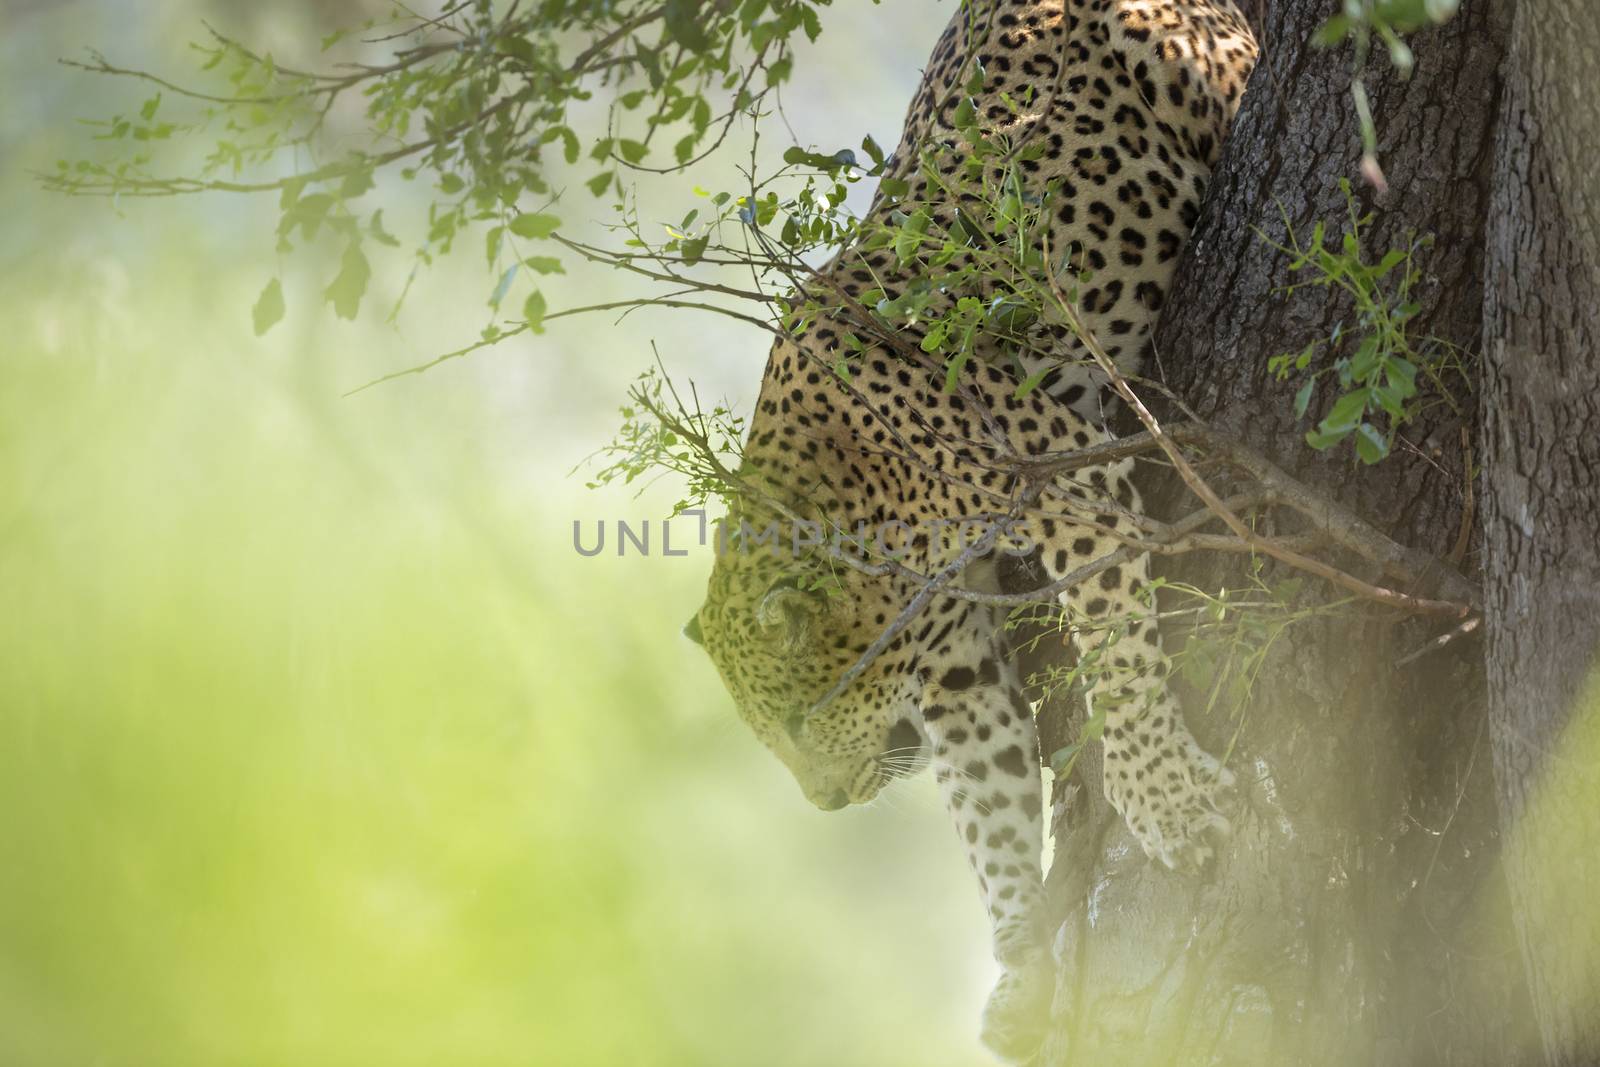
point(782, 629)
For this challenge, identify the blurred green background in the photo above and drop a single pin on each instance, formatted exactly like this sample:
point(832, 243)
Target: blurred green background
point(319, 744)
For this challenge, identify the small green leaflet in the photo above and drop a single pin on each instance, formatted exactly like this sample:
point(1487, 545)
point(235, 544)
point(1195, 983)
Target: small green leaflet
point(533, 310)
point(1302, 399)
point(693, 248)
point(1062, 759)
point(379, 234)
point(873, 150)
point(1033, 380)
point(544, 265)
point(351, 284)
point(269, 307)
point(1371, 445)
point(534, 227)
point(683, 24)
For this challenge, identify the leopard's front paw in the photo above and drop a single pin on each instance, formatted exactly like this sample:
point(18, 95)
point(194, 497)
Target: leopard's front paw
point(1018, 1012)
point(1170, 794)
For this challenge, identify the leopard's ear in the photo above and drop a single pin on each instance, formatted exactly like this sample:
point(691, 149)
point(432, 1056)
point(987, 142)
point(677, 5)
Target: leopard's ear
point(692, 630)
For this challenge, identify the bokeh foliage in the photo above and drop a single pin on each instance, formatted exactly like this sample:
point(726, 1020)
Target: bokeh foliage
point(319, 744)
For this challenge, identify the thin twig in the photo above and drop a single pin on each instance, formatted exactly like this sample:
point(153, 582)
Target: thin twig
point(914, 608)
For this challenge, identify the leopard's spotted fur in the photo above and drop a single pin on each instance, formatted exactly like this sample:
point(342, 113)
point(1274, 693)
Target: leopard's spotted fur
point(1131, 100)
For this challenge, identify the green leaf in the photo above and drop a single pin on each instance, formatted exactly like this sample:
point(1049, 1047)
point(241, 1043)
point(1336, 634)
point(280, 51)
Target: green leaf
point(1403, 15)
point(693, 249)
point(1302, 399)
point(1092, 730)
point(1062, 757)
point(1346, 412)
point(544, 265)
point(909, 239)
point(953, 368)
point(351, 283)
point(632, 151)
point(148, 111)
point(1365, 359)
point(599, 183)
point(290, 193)
point(1389, 400)
point(811, 23)
point(534, 226)
point(307, 212)
point(533, 310)
point(1371, 445)
point(1402, 374)
point(1332, 32)
point(379, 234)
point(518, 48)
point(1322, 440)
point(269, 307)
point(684, 24)
point(1032, 381)
point(1392, 259)
point(650, 60)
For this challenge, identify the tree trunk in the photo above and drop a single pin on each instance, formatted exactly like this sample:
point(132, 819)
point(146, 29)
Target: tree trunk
point(1541, 492)
point(1358, 915)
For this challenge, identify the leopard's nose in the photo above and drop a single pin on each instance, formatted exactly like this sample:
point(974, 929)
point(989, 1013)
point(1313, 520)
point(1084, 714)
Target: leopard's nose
point(833, 801)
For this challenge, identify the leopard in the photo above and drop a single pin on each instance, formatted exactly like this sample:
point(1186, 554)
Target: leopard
point(858, 675)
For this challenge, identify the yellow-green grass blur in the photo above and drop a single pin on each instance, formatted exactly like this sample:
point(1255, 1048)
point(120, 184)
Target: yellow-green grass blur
point(319, 744)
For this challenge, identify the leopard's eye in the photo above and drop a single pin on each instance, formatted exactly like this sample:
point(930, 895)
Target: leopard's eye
point(788, 607)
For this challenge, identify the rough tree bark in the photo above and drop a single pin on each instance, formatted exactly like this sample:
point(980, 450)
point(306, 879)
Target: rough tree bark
point(1358, 916)
point(1541, 490)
